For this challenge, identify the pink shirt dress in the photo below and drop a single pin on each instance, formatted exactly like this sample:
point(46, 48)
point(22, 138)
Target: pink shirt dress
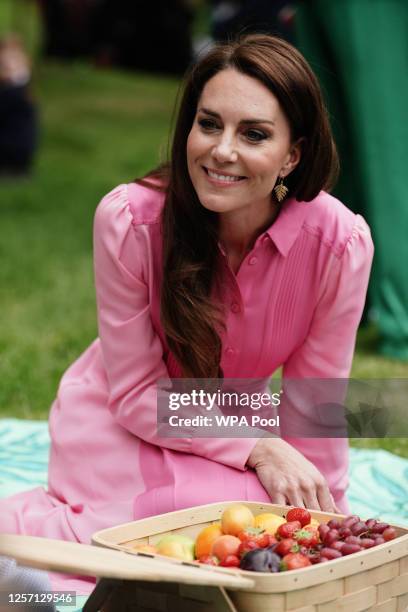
point(295, 302)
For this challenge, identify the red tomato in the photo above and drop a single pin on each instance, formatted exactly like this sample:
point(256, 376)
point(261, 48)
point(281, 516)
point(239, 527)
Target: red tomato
point(230, 561)
point(294, 561)
point(299, 514)
point(286, 530)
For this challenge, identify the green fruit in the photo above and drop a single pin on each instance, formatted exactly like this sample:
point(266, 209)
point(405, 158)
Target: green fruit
point(178, 546)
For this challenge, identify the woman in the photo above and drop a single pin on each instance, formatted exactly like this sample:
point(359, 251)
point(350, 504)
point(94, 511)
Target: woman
point(202, 269)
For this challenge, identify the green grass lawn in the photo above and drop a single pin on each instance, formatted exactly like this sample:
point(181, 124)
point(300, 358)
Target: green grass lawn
point(99, 129)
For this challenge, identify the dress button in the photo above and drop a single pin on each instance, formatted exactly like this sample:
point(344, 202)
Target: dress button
point(235, 307)
point(229, 352)
point(252, 261)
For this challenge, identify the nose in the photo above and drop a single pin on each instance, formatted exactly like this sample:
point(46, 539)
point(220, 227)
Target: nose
point(224, 151)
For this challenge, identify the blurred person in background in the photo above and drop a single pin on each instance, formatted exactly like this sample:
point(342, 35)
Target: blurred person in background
point(153, 36)
point(232, 17)
point(359, 50)
point(18, 116)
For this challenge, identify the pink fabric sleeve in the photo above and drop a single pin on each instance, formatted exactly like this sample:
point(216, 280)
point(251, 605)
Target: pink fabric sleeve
point(131, 349)
point(328, 349)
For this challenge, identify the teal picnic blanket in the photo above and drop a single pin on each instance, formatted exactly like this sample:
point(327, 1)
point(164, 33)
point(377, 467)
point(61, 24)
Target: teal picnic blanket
point(378, 479)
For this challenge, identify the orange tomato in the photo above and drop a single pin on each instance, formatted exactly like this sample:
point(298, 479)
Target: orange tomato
point(206, 538)
point(236, 518)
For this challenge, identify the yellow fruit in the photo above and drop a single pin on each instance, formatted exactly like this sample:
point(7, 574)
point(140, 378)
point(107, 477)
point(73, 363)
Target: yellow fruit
point(269, 521)
point(313, 523)
point(147, 548)
point(206, 538)
point(236, 518)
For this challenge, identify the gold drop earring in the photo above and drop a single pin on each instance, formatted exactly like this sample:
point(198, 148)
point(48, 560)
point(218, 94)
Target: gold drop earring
point(280, 190)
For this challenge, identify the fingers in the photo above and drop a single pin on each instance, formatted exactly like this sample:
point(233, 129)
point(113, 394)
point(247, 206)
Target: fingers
point(325, 499)
point(278, 498)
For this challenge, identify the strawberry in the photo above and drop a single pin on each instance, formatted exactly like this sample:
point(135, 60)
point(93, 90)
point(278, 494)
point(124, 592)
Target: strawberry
point(286, 530)
point(299, 514)
point(286, 546)
point(230, 561)
point(294, 561)
point(258, 536)
point(307, 538)
point(209, 560)
point(246, 546)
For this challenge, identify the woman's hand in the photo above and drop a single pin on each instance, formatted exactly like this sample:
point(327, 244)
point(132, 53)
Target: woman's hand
point(288, 477)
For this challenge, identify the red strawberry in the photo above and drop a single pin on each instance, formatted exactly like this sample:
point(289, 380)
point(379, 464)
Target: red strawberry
point(286, 546)
point(294, 561)
point(230, 561)
point(307, 538)
point(286, 530)
point(299, 514)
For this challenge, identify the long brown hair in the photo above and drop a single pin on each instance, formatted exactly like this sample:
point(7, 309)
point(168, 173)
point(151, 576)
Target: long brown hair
point(191, 319)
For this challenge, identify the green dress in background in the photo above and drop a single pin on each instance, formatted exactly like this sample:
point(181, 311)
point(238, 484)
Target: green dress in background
point(359, 49)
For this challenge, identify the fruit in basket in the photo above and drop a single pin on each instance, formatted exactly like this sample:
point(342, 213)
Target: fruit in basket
point(225, 545)
point(206, 539)
point(178, 546)
point(305, 537)
point(299, 514)
point(286, 546)
point(230, 561)
point(259, 536)
point(389, 534)
point(287, 530)
point(236, 518)
point(145, 548)
point(261, 560)
point(294, 561)
point(209, 560)
point(269, 522)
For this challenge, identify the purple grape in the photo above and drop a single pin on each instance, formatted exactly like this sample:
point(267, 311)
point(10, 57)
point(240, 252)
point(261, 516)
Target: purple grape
point(334, 524)
point(350, 520)
point(349, 549)
point(352, 540)
point(367, 542)
point(358, 528)
point(331, 537)
point(379, 527)
point(330, 553)
point(344, 532)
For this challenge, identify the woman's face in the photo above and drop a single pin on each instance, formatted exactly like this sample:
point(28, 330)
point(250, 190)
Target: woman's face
point(239, 144)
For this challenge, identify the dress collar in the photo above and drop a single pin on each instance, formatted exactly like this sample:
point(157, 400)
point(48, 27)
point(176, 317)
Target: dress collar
point(286, 228)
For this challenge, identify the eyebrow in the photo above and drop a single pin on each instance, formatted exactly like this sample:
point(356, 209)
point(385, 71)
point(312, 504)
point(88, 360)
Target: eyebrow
point(207, 111)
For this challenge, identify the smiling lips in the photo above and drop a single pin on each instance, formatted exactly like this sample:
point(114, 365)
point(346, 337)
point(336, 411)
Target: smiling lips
point(222, 178)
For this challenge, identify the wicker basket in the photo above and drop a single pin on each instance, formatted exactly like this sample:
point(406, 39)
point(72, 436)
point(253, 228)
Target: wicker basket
point(374, 579)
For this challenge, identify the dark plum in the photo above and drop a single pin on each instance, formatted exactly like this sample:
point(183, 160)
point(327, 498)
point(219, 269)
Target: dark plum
point(260, 560)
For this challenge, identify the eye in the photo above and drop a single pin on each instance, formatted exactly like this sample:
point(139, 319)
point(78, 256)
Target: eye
point(207, 124)
point(255, 135)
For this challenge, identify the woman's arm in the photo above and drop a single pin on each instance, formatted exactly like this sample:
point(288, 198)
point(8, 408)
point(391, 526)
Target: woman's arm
point(327, 352)
point(132, 351)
